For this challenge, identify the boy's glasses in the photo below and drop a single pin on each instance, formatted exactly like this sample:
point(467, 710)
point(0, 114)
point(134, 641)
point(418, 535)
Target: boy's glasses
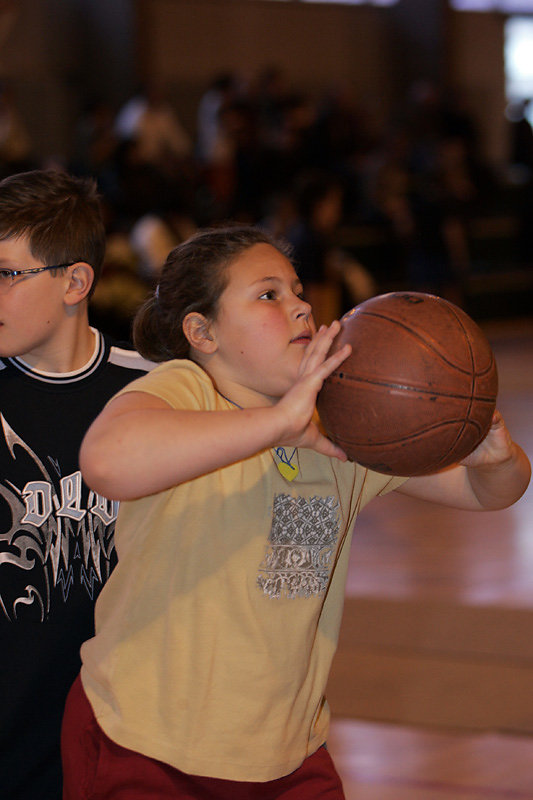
point(7, 276)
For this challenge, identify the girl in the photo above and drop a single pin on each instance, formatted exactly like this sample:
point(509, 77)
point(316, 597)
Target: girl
point(216, 631)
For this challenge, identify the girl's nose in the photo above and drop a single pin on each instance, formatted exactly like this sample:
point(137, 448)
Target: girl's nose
point(303, 309)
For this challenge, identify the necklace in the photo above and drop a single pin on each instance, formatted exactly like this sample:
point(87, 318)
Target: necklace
point(282, 461)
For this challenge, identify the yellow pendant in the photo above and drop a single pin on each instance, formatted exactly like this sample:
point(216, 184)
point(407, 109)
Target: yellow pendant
point(284, 464)
point(288, 471)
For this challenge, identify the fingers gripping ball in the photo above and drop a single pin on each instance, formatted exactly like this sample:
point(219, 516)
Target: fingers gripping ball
point(419, 389)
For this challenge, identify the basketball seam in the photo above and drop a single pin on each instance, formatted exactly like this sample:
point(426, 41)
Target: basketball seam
point(413, 435)
point(428, 344)
point(346, 376)
point(472, 385)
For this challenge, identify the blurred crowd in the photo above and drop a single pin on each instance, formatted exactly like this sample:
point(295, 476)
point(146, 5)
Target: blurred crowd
point(313, 171)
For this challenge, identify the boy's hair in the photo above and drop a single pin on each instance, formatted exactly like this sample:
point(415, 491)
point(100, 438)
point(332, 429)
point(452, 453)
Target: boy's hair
point(192, 279)
point(60, 215)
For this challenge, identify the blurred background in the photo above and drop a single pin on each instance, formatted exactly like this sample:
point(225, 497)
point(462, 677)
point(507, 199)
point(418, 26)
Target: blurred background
point(391, 144)
point(389, 141)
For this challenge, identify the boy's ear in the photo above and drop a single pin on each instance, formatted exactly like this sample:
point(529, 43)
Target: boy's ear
point(196, 330)
point(81, 277)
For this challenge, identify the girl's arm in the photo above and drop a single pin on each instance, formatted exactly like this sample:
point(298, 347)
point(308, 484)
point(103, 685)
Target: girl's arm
point(494, 476)
point(139, 445)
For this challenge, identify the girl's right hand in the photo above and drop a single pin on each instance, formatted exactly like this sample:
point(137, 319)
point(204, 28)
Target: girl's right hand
point(298, 404)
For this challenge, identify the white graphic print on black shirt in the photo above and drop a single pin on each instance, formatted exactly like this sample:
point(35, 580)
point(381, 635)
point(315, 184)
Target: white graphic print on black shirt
point(53, 539)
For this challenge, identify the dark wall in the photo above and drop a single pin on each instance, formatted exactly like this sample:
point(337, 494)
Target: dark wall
point(58, 55)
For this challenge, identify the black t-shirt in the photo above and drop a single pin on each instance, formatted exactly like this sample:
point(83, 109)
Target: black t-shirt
point(56, 552)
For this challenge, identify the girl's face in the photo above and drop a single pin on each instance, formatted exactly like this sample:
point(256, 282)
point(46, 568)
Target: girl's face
point(261, 330)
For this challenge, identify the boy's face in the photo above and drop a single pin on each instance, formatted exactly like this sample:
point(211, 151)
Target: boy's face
point(262, 328)
point(32, 312)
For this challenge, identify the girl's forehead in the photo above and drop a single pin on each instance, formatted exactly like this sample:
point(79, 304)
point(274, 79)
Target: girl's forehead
point(261, 261)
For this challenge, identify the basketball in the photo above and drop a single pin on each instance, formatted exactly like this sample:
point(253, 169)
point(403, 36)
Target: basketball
point(417, 392)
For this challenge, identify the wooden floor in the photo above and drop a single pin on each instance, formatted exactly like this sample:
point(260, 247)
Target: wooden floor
point(385, 762)
point(432, 686)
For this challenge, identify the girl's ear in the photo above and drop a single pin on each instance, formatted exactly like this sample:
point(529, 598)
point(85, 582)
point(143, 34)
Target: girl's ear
point(196, 330)
point(80, 280)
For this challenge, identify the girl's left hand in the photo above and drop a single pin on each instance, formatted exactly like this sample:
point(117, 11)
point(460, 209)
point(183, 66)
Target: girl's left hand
point(494, 476)
point(496, 447)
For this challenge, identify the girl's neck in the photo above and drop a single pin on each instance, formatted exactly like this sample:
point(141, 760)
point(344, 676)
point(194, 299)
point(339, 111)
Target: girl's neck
point(242, 396)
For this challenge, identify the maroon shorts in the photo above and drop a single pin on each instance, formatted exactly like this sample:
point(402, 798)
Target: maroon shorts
point(95, 768)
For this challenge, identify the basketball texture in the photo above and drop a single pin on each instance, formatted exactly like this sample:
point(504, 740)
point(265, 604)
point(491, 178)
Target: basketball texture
point(419, 389)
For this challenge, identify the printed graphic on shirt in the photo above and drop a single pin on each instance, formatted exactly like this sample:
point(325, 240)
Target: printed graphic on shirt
point(52, 541)
point(302, 542)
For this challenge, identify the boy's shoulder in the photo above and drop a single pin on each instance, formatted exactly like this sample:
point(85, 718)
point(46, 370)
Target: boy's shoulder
point(117, 365)
point(123, 355)
point(112, 364)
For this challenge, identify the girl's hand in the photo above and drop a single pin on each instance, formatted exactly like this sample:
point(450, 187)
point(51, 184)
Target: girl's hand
point(496, 448)
point(494, 476)
point(298, 404)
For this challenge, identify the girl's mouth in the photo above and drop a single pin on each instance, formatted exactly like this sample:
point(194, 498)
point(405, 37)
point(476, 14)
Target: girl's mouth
point(302, 338)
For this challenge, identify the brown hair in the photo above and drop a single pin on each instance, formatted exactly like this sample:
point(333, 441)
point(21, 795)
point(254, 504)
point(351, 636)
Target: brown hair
point(60, 215)
point(192, 279)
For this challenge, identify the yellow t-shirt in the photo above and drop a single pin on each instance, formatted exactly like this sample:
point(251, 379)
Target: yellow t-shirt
point(216, 631)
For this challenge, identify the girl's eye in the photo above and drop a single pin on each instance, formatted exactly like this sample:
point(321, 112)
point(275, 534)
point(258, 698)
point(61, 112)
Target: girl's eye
point(270, 294)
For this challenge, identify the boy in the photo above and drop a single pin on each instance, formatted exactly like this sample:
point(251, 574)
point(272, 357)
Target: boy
point(56, 536)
